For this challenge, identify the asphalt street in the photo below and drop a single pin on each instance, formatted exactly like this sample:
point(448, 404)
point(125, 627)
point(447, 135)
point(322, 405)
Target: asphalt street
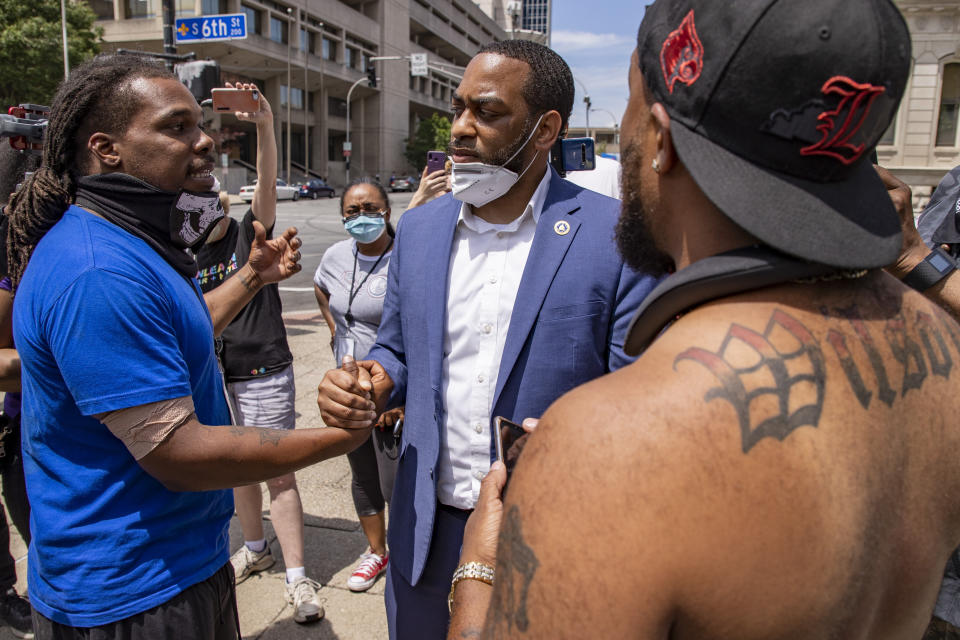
point(318, 222)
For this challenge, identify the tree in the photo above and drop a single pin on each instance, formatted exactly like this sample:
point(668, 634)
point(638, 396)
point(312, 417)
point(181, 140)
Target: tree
point(433, 134)
point(31, 48)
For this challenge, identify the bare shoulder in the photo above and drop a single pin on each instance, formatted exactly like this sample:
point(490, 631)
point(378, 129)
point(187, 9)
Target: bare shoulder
point(745, 437)
point(602, 506)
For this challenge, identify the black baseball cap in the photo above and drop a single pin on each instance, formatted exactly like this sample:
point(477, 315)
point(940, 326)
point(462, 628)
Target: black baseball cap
point(775, 108)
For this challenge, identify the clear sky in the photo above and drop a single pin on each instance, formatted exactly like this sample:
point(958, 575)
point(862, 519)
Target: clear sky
point(596, 38)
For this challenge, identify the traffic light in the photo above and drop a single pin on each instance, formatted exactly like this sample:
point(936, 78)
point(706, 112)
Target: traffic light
point(372, 76)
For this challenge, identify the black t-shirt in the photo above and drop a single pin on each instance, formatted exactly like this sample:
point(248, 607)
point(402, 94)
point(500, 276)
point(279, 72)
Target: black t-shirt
point(255, 343)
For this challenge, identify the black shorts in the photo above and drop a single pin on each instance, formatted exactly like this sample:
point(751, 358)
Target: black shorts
point(205, 611)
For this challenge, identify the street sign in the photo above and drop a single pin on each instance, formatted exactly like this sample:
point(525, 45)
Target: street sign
point(348, 146)
point(418, 64)
point(228, 26)
point(346, 153)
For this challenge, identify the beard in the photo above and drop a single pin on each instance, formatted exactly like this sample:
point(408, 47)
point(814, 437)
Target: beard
point(634, 239)
point(500, 156)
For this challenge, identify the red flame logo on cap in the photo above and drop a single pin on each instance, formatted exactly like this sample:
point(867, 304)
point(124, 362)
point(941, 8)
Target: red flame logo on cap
point(841, 124)
point(681, 56)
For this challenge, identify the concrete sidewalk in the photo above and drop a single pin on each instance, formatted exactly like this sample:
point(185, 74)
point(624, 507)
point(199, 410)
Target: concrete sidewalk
point(333, 538)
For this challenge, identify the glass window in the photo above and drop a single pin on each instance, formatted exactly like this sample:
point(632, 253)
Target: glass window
point(329, 49)
point(889, 136)
point(949, 106)
point(336, 107)
point(185, 8)
point(253, 19)
point(352, 58)
point(103, 9)
point(304, 39)
point(139, 9)
point(296, 97)
point(211, 7)
point(278, 30)
point(335, 146)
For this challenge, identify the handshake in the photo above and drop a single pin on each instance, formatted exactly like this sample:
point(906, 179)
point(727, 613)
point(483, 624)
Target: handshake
point(354, 396)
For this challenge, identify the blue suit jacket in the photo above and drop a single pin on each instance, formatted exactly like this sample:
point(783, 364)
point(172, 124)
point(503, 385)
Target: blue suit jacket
point(575, 300)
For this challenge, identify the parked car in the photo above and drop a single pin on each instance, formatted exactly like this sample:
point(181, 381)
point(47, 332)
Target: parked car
point(315, 189)
point(403, 183)
point(284, 191)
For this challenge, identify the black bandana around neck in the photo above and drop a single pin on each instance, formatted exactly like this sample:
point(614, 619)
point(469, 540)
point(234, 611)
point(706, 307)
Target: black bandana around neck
point(169, 221)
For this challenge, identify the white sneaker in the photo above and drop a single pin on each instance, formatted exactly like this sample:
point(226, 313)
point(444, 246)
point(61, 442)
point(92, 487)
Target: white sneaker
point(302, 594)
point(246, 562)
point(371, 565)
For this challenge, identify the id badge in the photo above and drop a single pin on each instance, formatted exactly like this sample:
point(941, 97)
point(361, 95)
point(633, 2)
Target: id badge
point(347, 348)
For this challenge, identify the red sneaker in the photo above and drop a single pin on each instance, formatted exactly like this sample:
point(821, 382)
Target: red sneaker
point(371, 565)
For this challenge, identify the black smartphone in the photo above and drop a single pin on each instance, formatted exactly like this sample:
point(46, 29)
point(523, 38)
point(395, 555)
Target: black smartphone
point(435, 161)
point(507, 433)
point(573, 154)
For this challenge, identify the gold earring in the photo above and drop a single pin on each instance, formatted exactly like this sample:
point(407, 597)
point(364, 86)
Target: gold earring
point(656, 165)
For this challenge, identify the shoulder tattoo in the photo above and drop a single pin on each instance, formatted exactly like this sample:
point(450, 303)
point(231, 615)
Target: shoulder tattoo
point(776, 380)
point(783, 364)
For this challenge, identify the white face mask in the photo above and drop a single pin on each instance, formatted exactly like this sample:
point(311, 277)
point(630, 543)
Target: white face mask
point(477, 183)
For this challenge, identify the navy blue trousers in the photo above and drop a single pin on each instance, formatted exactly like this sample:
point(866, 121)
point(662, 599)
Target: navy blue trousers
point(420, 612)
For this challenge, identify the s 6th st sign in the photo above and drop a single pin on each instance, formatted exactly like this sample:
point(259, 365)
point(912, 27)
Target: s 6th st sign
point(230, 26)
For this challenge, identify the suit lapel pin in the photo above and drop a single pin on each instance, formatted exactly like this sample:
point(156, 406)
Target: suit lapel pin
point(562, 228)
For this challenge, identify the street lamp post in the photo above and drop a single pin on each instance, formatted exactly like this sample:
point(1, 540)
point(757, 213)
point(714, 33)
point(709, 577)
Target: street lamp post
point(63, 30)
point(289, 92)
point(616, 125)
point(586, 101)
point(349, 93)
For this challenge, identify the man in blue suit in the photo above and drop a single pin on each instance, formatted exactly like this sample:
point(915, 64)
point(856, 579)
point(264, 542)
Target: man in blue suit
point(501, 297)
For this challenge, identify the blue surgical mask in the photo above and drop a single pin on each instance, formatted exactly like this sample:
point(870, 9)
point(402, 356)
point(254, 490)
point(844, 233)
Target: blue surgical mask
point(365, 228)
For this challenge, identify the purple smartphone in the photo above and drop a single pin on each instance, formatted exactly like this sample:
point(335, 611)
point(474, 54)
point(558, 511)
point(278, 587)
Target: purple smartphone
point(435, 161)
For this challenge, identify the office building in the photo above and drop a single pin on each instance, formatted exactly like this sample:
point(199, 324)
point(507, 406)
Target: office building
point(327, 46)
point(924, 141)
point(521, 19)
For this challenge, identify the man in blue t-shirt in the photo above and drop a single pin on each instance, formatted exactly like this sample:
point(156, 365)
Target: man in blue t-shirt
point(126, 463)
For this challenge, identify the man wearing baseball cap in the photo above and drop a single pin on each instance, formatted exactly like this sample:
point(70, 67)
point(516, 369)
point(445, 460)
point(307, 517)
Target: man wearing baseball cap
point(781, 460)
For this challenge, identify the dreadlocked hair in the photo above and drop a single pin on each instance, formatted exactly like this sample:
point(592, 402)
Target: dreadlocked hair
point(96, 97)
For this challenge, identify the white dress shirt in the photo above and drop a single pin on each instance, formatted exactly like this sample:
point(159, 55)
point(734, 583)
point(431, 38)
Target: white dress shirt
point(486, 265)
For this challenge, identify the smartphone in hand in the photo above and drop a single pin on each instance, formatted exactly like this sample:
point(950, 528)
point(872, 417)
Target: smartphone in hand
point(506, 435)
point(232, 100)
point(435, 161)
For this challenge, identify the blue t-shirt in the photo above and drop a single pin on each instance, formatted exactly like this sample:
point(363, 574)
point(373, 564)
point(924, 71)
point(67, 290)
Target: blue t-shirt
point(101, 323)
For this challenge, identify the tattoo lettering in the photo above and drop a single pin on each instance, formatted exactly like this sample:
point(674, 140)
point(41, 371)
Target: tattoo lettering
point(885, 392)
point(237, 430)
point(940, 359)
point(950, 328)
point(839, 343)
point(914, 348)
point(273, 436)
point(907, 352)
point(471, 633)
point(804, 391)
point(517, 564)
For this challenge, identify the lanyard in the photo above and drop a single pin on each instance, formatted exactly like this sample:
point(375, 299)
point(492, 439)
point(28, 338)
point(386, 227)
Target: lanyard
point(348, 316)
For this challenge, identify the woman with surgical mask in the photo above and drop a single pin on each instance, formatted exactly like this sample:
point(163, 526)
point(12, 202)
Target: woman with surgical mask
point(350, 285)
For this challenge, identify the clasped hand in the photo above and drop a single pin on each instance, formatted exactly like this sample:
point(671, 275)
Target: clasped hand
point(352, 396)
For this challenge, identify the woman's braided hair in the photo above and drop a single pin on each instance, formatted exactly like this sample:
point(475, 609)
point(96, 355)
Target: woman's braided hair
point(96, 97)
